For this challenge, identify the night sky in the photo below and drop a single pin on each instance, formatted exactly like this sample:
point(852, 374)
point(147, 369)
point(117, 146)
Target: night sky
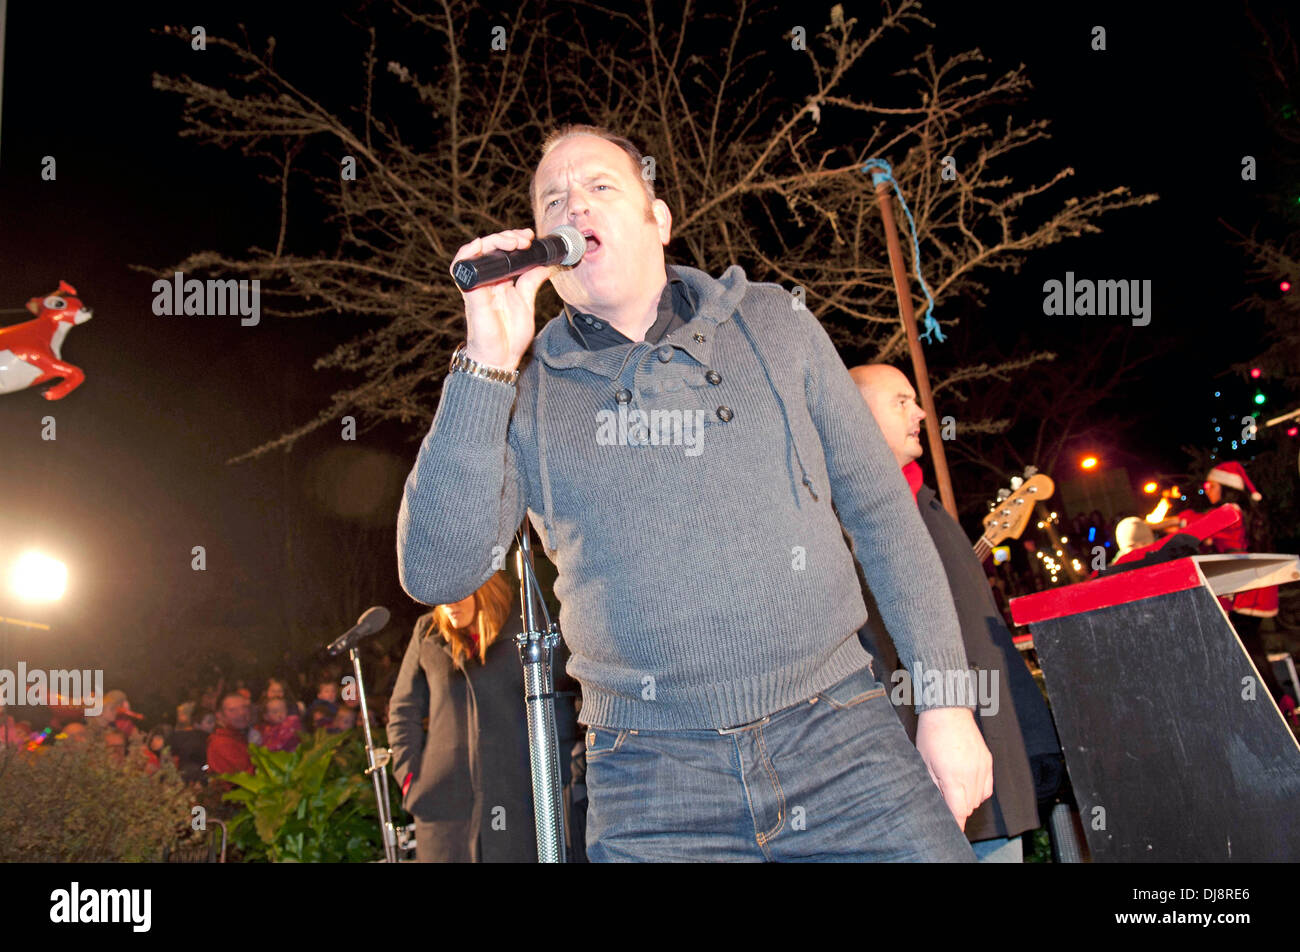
point(138, 473)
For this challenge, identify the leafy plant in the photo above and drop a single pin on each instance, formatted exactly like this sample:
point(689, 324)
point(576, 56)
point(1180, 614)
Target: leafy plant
point(306, 806)
point(75, 803)
point(1038, 846)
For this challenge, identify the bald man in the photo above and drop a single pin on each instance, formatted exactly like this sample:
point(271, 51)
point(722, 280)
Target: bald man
point(1011, 707)
point(892, 400)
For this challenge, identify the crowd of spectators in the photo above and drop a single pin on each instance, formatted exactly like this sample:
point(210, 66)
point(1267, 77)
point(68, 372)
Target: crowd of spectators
point(212, 729)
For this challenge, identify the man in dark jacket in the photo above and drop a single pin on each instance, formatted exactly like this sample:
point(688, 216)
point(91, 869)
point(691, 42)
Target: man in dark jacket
point(1011, 708)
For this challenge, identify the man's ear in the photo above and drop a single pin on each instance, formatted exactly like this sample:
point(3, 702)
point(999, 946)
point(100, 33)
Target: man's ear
point(664, 219)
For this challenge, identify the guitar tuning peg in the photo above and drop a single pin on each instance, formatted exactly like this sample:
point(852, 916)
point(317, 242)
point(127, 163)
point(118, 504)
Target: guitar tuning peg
point(1003, 494)
point(1016, 482)
point(1031, 471)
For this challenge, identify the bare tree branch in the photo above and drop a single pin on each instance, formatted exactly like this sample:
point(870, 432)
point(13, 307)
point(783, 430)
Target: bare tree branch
point(758, 147)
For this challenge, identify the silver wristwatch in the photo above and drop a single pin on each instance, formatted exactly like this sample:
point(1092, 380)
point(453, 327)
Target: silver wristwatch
point(463, 364)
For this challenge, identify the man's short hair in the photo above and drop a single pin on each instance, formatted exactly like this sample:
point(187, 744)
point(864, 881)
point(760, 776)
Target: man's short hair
point(228, 695)
point(568, 131)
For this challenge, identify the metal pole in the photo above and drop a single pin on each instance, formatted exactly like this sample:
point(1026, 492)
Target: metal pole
point(1065, 841)
point(376, 766)
point(535, 648)
point(914, 345)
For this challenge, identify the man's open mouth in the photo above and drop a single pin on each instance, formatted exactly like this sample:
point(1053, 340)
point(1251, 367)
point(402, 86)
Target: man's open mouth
point(593, 242)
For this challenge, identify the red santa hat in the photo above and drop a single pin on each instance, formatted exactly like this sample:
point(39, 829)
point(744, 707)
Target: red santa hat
point(1233, 475)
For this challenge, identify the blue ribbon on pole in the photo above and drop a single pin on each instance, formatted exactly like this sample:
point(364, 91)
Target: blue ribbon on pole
point(881, 172)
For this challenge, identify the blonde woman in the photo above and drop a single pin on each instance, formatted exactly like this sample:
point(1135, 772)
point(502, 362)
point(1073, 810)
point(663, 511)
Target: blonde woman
point(465, 777)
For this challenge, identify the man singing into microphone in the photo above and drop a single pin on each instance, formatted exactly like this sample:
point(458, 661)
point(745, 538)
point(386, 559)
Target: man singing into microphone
point(708, 597)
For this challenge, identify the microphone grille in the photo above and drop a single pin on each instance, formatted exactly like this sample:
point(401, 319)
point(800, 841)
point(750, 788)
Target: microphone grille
point(575, 246)
point(374, 618)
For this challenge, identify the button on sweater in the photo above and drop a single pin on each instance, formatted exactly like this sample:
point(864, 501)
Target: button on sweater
point(703, 575)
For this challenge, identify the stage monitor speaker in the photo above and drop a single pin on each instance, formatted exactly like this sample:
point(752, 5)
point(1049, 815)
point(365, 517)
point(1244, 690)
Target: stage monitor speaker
point(1175, 749)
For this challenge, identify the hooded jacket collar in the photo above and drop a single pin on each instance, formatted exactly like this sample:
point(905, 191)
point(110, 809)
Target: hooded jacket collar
point(717, 301)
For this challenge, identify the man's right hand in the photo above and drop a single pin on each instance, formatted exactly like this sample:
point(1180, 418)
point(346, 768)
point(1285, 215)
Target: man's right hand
point(499, 317)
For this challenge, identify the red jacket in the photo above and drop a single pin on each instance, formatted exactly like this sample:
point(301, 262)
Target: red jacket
point(1261, 602)
point(228, 752)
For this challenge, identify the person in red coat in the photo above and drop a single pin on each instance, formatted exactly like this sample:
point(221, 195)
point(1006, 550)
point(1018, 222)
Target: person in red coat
point(1228, 484)
point(228, 744)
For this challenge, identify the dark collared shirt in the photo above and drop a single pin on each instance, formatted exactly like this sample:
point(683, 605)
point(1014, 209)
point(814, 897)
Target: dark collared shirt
point(676, 307)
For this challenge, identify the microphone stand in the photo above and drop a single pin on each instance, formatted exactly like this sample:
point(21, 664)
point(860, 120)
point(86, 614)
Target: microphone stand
point(377, 761)
point(535, 652)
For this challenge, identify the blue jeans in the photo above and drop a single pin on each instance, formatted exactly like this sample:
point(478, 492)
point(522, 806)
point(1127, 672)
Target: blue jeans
point(831, 779)
point(1001, 850)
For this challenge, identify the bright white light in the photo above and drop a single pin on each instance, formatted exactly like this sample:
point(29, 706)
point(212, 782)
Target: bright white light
point(38, 578)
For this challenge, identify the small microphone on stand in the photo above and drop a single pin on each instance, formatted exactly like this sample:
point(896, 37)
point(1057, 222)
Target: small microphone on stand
point(372, 621)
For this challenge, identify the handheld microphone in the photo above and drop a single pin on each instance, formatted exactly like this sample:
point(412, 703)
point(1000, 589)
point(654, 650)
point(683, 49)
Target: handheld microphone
point(564, 246)
point(368, 624)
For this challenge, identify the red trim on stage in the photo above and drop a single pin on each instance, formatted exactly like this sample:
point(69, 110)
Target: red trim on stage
point(1132, 586)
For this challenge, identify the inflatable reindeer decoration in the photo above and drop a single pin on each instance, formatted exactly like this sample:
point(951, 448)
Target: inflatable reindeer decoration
point(32, 353)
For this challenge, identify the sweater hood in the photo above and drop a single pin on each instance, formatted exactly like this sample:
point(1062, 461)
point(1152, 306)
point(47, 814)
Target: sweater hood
point(717, 299)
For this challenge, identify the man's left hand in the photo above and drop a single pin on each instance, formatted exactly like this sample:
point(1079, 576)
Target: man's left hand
point(954, 752)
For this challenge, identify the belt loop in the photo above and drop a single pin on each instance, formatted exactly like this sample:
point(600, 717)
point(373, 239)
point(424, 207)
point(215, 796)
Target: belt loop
point(744, 727)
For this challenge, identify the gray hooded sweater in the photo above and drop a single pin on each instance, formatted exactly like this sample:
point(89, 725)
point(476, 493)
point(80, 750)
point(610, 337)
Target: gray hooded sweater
point(684, 492)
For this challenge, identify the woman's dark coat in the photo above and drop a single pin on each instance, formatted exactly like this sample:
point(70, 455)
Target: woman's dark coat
point(469, 769)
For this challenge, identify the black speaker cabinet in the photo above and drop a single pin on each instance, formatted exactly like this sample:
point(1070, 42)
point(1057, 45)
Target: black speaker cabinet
point(1176, 750)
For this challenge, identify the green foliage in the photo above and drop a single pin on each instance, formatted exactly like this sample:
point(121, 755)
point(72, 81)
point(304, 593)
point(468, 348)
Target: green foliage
point(1038, 846)
point(311, 805)
point(74, 803)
